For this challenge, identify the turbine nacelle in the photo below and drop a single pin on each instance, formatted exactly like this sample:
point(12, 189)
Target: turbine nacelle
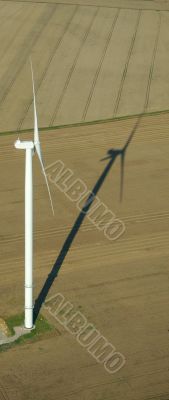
point(24, 145)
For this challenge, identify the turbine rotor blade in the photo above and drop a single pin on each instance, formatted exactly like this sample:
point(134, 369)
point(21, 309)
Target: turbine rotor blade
point(123, 152)
point(36, 139)
point(106, 158)
point(47, 184)
point(36, 133)
point(136, 125)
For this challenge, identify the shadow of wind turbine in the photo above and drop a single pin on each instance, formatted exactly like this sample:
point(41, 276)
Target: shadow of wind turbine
point(69, 240)
point(112, 155)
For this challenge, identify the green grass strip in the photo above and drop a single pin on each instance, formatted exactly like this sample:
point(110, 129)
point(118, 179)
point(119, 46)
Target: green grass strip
point(87, 123)
point(42, 327)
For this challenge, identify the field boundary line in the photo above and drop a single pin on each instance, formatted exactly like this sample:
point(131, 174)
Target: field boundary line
point(156, 8)
point(86, 123)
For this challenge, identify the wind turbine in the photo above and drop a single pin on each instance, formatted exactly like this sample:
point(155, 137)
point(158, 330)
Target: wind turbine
point(31, 147)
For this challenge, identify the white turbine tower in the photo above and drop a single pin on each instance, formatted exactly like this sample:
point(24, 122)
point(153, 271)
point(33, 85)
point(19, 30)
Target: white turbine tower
point(30, 147)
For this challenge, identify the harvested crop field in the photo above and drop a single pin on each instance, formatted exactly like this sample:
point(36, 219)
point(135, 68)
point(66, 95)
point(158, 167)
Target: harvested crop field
point(121, 286)
point(92, 61)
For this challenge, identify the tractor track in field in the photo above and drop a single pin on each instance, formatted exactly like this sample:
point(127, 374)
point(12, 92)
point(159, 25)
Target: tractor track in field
point(3, 7)
point(47, 261)
point(11, 15)
point(59, 41)
point(80, 143)
point(100, 66)
point(138, 218)
point(127, 64)
point(92, 255)
point(121, 141)
point(7, 157)
point(119, 381)
point(3, 392)
point(15, 35)
point(4, 156)
point(31, 38)
point(88, 226)
point(10, 79)
point(155, 243)
point(41, 233)
point(86, 34)
point(152, 64)
point(53, 158)
point(125, 242)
